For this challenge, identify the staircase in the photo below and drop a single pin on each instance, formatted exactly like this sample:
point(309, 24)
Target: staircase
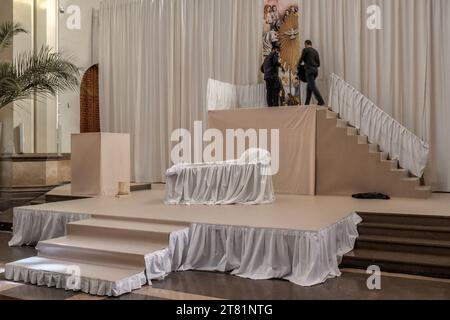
point(408, 244)
point(348, 164)
point(109, 252)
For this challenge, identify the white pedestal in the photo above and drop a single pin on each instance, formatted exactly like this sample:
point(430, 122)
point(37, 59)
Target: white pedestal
point(99, 162)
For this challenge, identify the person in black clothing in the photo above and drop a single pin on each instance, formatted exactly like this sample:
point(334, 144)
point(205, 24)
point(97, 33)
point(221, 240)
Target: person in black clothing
point(310, 58)
point(270, 68)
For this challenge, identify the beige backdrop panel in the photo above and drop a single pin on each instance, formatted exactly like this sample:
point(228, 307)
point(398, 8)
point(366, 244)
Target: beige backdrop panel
point(297, 127)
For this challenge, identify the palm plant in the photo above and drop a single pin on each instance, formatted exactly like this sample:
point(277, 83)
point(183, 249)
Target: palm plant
point(43, 73)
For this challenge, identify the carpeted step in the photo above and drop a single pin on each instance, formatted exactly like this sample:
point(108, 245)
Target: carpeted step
point(352, 131)
point(93, 279)
point(405, 230)
point(134, 187)
point(406, 219)
point(426, 191)
point(331, 115)
point(143, 230)
point(100, 250)
point(342, 123)
point(391, 164)
point(363, 139)
point(399, 262)
point(403, 244)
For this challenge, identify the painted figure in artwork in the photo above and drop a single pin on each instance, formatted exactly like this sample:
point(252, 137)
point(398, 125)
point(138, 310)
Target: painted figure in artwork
point(281, 28)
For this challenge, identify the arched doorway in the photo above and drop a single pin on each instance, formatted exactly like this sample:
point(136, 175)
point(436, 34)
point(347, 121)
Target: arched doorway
point(89, 101)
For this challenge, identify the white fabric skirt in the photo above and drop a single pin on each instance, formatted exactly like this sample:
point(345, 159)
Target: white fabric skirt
point(219, 184)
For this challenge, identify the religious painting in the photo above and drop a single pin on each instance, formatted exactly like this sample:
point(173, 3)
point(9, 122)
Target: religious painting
point(281, 25)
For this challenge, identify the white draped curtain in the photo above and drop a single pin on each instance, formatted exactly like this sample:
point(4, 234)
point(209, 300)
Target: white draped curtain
point(156, 57)
point(403, 68)
point(439, 86)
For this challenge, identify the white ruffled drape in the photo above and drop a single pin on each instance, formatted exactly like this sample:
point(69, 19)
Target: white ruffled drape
point(32, 225)
point(402, 145)
point(303, 257)
point(219, 184)
point(161, 263)
point(226, 96)
point(58, 278)
point(244, 181)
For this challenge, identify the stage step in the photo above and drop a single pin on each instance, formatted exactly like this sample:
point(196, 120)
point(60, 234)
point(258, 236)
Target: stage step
point(406, 219)
point(134, 186)
point(331, 114)
point(403, 244)
point(94, 279)
point(363, 140)
point(101, 250)
point(342, 123)
point(124, 229)
point(108, 249)
point(407, 231)
point(399, 262)
point(410, 244)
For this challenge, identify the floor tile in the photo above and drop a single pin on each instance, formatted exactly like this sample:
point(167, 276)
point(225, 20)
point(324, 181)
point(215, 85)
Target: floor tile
point(348, 286)
point(8, 254)
point(30, 292)
point(135, 296)
point(171, 295)
point(84, 296)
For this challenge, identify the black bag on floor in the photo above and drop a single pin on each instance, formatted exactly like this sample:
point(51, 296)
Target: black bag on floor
point(371, 196)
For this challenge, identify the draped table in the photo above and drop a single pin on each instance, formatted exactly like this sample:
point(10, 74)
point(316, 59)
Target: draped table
point(222, 183)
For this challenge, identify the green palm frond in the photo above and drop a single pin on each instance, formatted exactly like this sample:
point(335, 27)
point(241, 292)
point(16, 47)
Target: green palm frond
point(7, 32)
point(43, 73)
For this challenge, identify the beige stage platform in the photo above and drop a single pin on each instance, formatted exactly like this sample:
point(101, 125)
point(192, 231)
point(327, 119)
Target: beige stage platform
point(321, 155)
point(288, 212)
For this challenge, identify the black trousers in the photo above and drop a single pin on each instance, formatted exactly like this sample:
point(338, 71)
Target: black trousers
point(273, 87)
point(311, 76)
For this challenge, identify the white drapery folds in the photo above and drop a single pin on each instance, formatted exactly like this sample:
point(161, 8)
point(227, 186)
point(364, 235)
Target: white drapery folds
point(305, 258)
point(244, 181)
point(404, 68)
point(155, 60)
point(439, 83)
point(32, 225)
point(226, 96)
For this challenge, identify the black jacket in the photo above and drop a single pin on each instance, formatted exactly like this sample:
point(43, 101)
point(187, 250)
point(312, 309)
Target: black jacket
point(311, 58)
point(271, 66)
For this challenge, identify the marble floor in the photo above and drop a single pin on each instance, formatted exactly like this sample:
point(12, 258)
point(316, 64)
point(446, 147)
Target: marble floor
point(214, 286)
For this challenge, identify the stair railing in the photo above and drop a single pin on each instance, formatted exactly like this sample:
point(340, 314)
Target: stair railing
point(380, 128)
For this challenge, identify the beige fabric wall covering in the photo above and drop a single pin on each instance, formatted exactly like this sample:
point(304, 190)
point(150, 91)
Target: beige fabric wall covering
point(297, 128)
point(155, 60)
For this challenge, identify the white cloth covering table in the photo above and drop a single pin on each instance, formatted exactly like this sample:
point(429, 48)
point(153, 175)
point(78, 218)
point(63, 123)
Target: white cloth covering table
point(244, 181)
